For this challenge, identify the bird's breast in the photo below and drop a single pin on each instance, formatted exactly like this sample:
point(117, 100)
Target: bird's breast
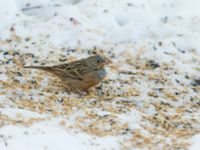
point(96, 75)
point(100, 74)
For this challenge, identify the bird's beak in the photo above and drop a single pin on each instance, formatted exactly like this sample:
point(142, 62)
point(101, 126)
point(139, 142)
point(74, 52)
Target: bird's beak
point(106, 62)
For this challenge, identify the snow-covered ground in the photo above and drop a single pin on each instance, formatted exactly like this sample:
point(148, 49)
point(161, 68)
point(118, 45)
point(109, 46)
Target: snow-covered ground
point(150, 98)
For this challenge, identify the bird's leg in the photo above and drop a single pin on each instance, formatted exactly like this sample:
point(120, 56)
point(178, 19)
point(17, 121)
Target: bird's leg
point(87, 91)
point(80, 92)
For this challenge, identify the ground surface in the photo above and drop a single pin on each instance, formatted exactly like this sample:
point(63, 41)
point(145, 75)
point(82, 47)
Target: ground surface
point(150, 98)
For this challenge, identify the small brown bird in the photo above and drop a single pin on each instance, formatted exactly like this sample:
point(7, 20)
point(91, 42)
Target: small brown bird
point(79, 75)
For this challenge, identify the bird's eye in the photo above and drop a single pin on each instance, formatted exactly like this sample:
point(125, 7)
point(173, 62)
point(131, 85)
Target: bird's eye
point(98, 61)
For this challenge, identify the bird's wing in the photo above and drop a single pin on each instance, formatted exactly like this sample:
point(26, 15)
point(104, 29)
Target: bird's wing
point(74, 70)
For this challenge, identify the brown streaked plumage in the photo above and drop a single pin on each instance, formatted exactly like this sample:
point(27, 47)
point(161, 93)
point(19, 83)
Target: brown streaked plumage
point(79, 75)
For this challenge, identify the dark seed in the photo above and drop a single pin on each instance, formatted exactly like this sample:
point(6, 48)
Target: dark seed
point(176, 93)
point(15, 53)
point(196, 82)
point(182, 51)
point(187, 77)
point(27, 39)
point(160, 43)
point(177, 81)
point(8, 40)
point(152, 64)
point(33, 81)
point(5, 53)
point(99, 88)
point(19, 74)
point(129, 4)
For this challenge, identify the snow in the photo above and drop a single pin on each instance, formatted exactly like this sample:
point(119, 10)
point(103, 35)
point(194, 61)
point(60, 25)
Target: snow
point(48, 137)
point(131, 30)
point(195, 143)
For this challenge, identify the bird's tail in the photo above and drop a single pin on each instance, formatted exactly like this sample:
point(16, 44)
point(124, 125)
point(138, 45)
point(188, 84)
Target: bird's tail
point(52, 70)
point(46, 68)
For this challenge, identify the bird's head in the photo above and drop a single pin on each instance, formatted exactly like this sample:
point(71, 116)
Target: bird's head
point(98, 61)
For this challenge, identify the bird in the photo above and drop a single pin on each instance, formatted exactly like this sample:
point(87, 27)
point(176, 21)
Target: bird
point(79, 75)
